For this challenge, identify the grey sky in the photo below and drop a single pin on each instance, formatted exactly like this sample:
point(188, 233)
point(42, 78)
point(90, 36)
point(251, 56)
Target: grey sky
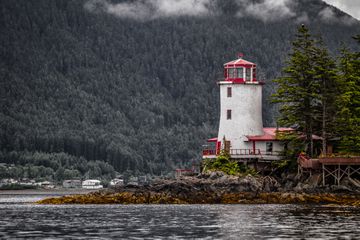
point(351, 7)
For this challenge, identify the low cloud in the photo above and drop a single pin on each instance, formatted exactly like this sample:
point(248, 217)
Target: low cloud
point(329, 15)
point(268, 10)
point(264, 10)
point(151, 9)
point(303, 18)
point(350, 6)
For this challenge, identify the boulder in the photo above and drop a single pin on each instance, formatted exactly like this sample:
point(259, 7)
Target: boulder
point(270, 184)
point(314, 180)
point(291, 177)
point(250, 184)
point(216, 175)
point(299, 187)
point(289, 185)
point(341, 189)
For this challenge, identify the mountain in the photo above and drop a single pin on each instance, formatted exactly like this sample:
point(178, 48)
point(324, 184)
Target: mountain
point(133, 83)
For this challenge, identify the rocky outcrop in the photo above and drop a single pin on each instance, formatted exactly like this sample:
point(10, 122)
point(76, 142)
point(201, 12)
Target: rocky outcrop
point(211, 188)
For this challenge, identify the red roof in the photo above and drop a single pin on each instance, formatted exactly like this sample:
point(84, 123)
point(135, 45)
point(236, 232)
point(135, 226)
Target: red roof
point(239, 62)
point(269, 134)
point(212, 139)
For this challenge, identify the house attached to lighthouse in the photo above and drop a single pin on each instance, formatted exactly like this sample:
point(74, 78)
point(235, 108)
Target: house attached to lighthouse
point(241, 132)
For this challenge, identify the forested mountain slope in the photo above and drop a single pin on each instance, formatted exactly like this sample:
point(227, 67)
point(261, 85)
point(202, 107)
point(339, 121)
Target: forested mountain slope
point(83, 79)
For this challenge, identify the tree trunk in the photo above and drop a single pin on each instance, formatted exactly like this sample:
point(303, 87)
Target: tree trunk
point(324, 130)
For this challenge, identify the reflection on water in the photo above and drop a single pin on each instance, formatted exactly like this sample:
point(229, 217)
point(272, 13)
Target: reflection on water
point(25, 220)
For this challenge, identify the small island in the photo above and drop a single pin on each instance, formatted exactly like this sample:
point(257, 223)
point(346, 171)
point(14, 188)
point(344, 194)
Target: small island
point(217, 188)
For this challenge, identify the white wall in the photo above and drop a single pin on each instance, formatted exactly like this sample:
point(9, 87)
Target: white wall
point(277, 146)
point(246, 119)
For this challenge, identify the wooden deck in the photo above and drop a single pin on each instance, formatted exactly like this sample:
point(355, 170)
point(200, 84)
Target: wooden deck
point(334, 169)
point(340, 160)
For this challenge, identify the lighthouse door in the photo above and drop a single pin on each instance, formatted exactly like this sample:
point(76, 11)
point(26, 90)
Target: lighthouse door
point(227, 147)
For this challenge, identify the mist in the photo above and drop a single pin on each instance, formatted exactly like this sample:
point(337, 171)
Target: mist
point(264, 10)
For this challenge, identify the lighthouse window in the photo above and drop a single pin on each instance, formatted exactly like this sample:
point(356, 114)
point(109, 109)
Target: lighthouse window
point(228, 114)
point(229, 93)
point(248, 74)
point(231, 72)
point(240, 73)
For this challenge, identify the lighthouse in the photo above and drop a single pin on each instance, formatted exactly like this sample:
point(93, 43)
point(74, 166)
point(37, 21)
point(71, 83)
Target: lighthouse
point(241, 131)
point(240, 105)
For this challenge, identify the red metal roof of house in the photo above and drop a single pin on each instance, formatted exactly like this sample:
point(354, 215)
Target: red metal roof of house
point(269, 134)
point(212, 139)
point(239, 62)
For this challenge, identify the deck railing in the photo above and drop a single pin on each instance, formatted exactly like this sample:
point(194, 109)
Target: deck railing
point(245, 152)
point(273, 153)
point(207, 152)
point(309, 163)
point(253, 152)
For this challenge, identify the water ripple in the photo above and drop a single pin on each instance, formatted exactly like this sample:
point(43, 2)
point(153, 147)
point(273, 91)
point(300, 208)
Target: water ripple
point(24, 220)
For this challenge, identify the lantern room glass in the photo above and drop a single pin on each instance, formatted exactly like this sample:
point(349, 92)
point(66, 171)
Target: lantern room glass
point(240, 72)
point(231, 72)
point(248, 74)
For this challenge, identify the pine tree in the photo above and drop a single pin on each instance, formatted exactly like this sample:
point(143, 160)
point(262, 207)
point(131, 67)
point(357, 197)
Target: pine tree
point(297, 88)
point(326, 78)
point(348, 118)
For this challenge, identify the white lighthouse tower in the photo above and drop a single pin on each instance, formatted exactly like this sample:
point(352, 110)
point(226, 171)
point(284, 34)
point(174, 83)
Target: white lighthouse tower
point(241, 132)
point(240, 105)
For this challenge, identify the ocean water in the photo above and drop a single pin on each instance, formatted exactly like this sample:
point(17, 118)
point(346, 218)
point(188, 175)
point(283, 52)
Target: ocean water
point(20, 218)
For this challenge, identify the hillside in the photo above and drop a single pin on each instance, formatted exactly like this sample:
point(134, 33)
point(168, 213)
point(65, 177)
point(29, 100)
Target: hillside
point(86, 80)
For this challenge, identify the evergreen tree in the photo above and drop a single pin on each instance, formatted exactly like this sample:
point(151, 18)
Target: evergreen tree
point(326, 78)
point(348, 119)
point(297, 88)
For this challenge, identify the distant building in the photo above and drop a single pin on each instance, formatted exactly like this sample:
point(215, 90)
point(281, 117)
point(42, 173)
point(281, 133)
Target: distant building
point(72, 183)
point(45, 184)
point(92, 184)
point(133, 181)
point(241, 132)
point(117, 182)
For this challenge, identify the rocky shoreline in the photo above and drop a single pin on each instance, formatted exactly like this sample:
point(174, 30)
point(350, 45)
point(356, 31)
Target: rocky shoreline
point(216, 188)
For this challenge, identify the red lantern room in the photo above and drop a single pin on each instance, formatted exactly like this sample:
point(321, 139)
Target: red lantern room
point(240, 71)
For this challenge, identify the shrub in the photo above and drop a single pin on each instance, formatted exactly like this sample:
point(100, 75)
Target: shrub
point(225, 164)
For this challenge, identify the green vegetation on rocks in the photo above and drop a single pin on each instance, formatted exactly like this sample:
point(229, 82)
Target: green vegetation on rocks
point(224, 164)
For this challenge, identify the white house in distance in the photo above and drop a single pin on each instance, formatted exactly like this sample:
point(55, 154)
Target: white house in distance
point(241, 130)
